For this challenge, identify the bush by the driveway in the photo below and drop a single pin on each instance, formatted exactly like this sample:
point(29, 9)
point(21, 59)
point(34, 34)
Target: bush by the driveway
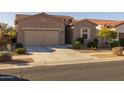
point(19, 45)
point(114, 43)
point(20, 51)
point(81, 40)
point(92, 44)
point(76, 44)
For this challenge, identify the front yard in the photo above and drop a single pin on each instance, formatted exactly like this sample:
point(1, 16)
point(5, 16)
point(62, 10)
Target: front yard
point(60, 55)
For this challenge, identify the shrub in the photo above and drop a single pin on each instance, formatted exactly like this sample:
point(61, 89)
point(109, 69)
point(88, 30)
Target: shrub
point(96, 40)
point(20, 51)
point(114, 43)
point(81, 40)
point(92, 44)
point(121, 41)
point(5, 56)
point(76, 44)
point(117, 51)
point(19, 45)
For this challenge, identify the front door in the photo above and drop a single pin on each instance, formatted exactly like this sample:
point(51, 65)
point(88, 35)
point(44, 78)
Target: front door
point(68, 35)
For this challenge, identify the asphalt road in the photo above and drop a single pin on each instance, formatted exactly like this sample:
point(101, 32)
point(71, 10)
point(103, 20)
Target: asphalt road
point(108, 71)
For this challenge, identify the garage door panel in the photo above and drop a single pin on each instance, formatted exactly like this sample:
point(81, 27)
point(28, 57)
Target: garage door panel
point(38, 38)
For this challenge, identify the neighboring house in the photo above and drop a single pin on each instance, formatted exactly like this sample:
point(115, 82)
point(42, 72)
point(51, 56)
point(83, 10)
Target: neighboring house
point(88, 28)
point(41, 29)
point(120, 28)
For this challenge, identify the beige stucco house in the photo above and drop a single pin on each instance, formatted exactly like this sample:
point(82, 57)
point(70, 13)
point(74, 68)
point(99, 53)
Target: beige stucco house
point(43, 29)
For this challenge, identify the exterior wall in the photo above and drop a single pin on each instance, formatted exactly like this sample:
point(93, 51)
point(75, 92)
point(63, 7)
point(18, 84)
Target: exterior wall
point(78, 26)
point(121, 35)
point(120, 30)
point(39, 21)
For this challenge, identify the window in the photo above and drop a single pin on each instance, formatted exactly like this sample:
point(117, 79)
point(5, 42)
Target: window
point(85, 33)
point(84, 36)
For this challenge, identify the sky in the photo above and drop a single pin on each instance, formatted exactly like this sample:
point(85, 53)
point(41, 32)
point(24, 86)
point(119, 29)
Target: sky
point(9, 17)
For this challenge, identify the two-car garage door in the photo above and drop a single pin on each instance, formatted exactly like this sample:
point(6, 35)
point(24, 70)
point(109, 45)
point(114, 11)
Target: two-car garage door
point(39, 38)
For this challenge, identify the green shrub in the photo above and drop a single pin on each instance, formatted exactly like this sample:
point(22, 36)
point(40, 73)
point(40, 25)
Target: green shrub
point(76, 44)
point(20, 51)
point(81, 40)
point(96, 40)
point(5, 56)
point(19, 45)
point(114, 43)
point(92, 44)
point(121, 40)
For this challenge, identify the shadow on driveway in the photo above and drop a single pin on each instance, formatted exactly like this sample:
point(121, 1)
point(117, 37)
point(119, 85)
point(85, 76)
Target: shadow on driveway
point(40, 49)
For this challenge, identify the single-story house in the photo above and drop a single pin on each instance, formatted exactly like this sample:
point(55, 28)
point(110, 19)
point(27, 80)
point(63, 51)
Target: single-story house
point(88, 28)
point(44, 29)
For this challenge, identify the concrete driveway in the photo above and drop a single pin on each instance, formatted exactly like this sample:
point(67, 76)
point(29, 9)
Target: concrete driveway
point(48, 49)
point(57, 55)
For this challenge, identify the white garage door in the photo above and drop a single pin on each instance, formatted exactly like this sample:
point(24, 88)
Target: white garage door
point(39, 38)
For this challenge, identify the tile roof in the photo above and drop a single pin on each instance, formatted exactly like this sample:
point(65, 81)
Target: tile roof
point(99, 21)
point(119, 23)
point(63, 17)
point(78, 21)
point(113, 23)
point(21, 16)
point(103, 22)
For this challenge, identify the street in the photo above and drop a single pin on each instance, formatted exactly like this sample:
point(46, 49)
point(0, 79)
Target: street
point(103, 71)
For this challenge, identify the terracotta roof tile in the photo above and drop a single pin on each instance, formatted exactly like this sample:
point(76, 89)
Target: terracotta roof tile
point(21, 16)
point(78, 21)
point(119, 23)
point(63, 17)
point(103, 22)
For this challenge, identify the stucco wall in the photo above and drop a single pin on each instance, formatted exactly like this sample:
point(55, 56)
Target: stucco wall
point(120, 30)
point(121, 35)
point(39, 21)
point(78, 26)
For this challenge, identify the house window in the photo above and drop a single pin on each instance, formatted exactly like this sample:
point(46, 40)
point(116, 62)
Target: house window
point(84, 36)
point(85, 33)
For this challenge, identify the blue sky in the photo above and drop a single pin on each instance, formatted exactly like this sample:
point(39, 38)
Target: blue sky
point(9, 17)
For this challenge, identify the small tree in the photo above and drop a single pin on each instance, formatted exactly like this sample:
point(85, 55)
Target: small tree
point(107, 34)
point(8, 34)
